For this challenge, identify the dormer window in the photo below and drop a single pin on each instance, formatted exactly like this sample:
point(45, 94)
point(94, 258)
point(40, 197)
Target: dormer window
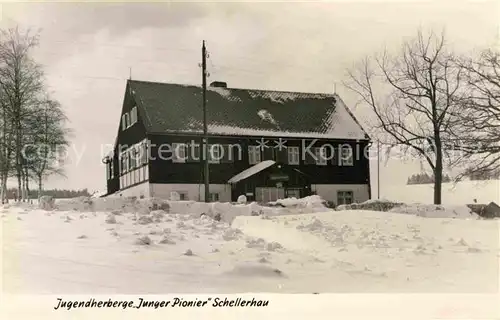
point(129, 118)
point(133, 116)
point(124, 122)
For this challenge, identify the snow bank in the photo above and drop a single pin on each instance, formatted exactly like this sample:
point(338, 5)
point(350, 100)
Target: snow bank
point(436, 211)
point(417, 209)
point(98, 194)
point(46, 203)
point(374, 205)
point(217, 210)
point(112, 203)
point(315, 203)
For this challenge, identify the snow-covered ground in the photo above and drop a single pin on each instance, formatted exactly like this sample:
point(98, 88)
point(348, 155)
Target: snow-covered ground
point(120, 246)
point(463, 192)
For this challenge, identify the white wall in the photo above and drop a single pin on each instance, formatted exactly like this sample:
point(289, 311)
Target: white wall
point(329, 191)
point(194, 192)
point(137, 191)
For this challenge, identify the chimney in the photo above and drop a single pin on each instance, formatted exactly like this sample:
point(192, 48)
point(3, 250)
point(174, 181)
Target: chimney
point(218, 84)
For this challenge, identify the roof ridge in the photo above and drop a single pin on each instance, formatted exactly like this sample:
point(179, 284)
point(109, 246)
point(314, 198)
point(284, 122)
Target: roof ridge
point(164, 83)
point(332, 95)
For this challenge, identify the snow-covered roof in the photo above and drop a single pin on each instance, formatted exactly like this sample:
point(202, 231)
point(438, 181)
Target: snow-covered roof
point(251, 171)
point(175, 108)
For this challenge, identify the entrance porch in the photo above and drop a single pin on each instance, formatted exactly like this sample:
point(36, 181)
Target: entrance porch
point(268, 181)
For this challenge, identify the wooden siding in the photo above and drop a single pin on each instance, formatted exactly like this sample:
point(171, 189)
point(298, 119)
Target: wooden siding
point(165, 171)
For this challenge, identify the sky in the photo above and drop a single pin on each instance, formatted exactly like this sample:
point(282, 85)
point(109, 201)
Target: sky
point(88, 50)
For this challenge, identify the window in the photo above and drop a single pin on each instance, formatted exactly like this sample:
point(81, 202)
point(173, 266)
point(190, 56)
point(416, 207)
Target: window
point(108, 173)
point(193, 152)
point(138, 154)
point(214, 197)
point(133, 115)
point(178, 153)
point(111, 169)
point(145, 151)
point(265, 195)
point(124, 122)
point(183, 196)
point(293, 155)
point(320, 154)
point(133, 160)
point(124, 162)
point(214, 153)
point(146, 172)
point(253, 154)
point(346, 158)
point(293, 193)
point(127, 120)
point(127, 162)
point(344, 197)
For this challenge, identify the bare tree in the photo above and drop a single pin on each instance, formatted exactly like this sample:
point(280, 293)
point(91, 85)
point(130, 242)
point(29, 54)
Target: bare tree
point(6, 147)
point(21, 80)
point(480, 113)
point(49, 141)
point(413, 96)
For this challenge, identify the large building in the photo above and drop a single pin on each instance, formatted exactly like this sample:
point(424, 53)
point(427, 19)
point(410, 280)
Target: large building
point(266, 145)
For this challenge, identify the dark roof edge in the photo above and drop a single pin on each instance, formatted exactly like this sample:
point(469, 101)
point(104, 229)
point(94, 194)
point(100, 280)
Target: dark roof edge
point(329, 95)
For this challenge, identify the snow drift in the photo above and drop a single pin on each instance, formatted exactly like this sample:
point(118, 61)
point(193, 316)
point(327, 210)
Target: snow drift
point(436, 211)
point(217, 210)
point(418, 209)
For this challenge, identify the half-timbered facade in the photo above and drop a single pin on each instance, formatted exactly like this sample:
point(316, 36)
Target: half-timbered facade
point(266, 145)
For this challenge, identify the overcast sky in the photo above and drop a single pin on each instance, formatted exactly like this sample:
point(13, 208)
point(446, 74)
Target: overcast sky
point(87, 50)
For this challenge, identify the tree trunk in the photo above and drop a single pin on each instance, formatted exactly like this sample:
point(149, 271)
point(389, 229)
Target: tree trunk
point(19, 186)
point(23, 184)
point(438, 170)
point(27, 184)
point(2, 191)
point(4, 188)
point(19, 168)
point(40, 185)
